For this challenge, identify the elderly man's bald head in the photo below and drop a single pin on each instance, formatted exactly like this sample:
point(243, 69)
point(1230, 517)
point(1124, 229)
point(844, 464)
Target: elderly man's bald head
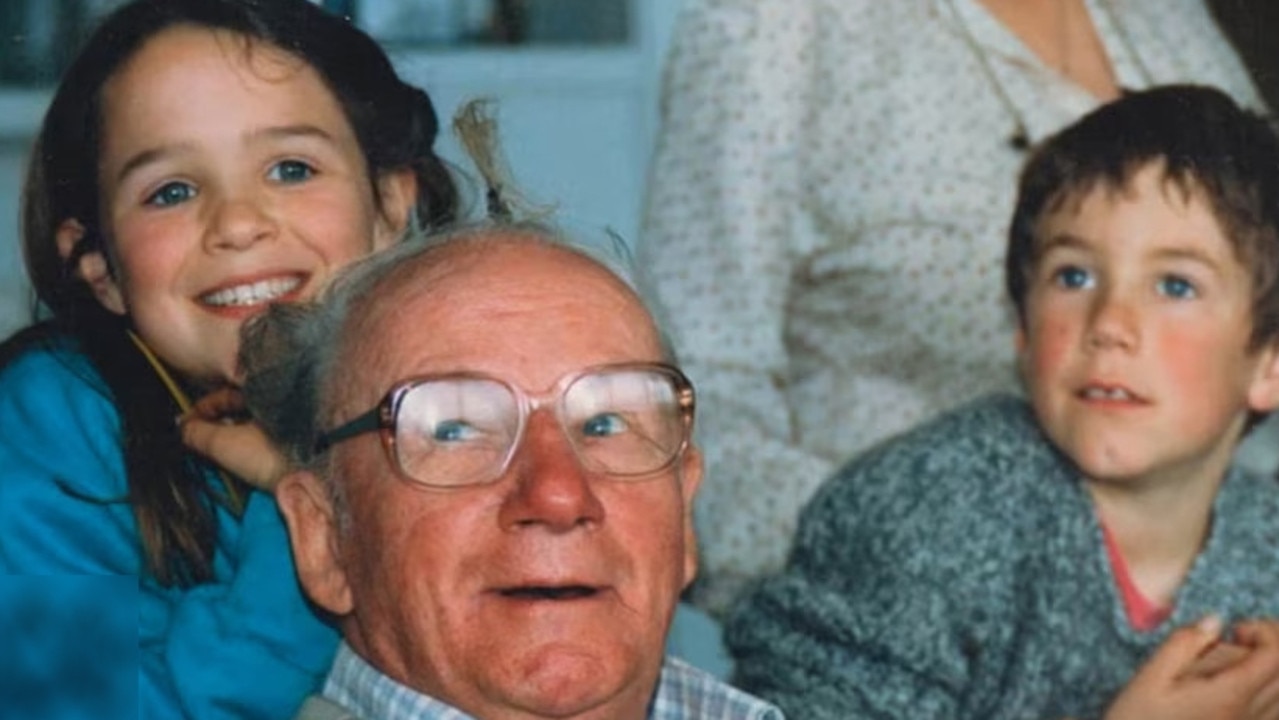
point(541, 581)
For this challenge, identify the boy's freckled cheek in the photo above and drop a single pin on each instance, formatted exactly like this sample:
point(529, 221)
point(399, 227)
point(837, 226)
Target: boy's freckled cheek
point(1182, 367)
point(1048, 345)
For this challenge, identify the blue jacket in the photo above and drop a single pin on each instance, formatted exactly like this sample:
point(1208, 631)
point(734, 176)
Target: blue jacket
point(243, 646)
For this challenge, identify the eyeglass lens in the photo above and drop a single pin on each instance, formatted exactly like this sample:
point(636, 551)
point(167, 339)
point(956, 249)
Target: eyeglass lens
point(459, 431)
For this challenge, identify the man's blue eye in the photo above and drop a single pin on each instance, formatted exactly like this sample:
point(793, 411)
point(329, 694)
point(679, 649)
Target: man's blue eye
point(604, 425)
point(1073, 278)
point(1177, 287)
point(171, 193)
point(291, 171)
point(453, 431)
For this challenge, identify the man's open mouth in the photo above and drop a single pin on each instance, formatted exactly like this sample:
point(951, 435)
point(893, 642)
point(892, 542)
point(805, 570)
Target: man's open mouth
point(559, 592)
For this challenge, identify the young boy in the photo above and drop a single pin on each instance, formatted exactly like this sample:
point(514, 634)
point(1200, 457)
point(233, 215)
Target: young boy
point(1090, 549)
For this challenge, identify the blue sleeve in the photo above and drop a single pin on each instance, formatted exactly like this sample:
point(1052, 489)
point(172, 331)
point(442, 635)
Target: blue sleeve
point(248, 647)
point(63, 505)
point(243, 646)
point(57, 629)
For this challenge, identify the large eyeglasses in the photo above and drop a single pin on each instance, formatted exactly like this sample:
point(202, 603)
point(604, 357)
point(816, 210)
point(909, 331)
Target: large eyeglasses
point(628, 421)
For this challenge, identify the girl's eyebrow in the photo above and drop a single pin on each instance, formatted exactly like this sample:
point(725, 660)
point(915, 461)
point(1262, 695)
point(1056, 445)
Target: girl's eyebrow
point(287, 131)
point(156, 154)
point(149, 156)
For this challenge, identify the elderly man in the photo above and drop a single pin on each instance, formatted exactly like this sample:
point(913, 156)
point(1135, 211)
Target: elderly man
point(492, 487)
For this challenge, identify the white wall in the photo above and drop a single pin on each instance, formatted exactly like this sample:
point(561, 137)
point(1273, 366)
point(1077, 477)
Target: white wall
point(575, 125)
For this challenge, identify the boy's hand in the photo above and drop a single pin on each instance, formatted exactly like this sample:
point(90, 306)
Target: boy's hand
point(216, 427)
point(1219, 656)
point(1196, 675)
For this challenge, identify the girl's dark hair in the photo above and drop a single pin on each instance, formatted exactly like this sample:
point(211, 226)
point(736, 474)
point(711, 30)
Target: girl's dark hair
point(396, 126)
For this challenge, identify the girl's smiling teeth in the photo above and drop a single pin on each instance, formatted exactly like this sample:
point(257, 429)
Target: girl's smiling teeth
point(254, 293)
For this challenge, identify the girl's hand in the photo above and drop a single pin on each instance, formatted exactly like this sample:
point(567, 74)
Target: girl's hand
point(1196, 675)
point(217, 427)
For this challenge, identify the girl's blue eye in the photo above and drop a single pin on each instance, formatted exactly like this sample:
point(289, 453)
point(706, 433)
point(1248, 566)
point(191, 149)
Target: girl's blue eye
point(171, 193)
point(291, 171)
point(1177, 287)
point(604, 425)
point(1073, 277)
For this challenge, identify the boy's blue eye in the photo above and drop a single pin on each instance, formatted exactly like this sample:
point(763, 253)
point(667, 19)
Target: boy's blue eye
point(1073, 278)
point(171, 193)
point(1177, 287)
point(291, 171)
point(604, 425)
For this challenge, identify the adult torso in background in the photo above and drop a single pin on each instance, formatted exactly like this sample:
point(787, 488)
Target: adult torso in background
point(826, 224)
point(1253, 28)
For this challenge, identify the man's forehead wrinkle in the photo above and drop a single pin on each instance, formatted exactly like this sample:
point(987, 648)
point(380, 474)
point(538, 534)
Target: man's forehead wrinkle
point(485, 269)
point(476, 280)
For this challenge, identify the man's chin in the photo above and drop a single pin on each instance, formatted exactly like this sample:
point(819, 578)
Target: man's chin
point(574, 682)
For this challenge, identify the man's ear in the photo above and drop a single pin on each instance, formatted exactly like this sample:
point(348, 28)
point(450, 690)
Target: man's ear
point(690, 481)
point(315, 537)
point(397, 192)
point(1263, 394)
point(91, 267)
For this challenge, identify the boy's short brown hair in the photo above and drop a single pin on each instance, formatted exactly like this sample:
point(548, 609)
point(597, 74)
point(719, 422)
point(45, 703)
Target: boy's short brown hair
point(1206, 144)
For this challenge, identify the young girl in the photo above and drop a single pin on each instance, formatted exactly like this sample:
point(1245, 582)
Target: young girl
point(200, 159)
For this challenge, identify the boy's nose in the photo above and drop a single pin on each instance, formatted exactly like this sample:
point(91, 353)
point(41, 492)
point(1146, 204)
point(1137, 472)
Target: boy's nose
point(1114, 323)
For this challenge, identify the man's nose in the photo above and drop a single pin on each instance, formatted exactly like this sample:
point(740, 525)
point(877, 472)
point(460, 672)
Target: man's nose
point(552, 489)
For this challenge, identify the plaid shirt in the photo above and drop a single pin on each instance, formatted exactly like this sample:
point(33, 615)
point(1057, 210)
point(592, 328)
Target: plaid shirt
point(683, 693)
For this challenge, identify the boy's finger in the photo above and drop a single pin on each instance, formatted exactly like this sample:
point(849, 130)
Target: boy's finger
point(1178, 655)
point(1258, 633)
point(1257, 675)
point(1266, 703)
point(1217, 657)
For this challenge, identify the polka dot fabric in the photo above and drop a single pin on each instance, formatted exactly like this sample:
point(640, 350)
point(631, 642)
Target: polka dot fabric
point(825, 226)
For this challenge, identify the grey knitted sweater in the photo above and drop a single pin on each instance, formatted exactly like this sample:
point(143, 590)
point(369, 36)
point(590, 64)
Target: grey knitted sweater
point(959, 571)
